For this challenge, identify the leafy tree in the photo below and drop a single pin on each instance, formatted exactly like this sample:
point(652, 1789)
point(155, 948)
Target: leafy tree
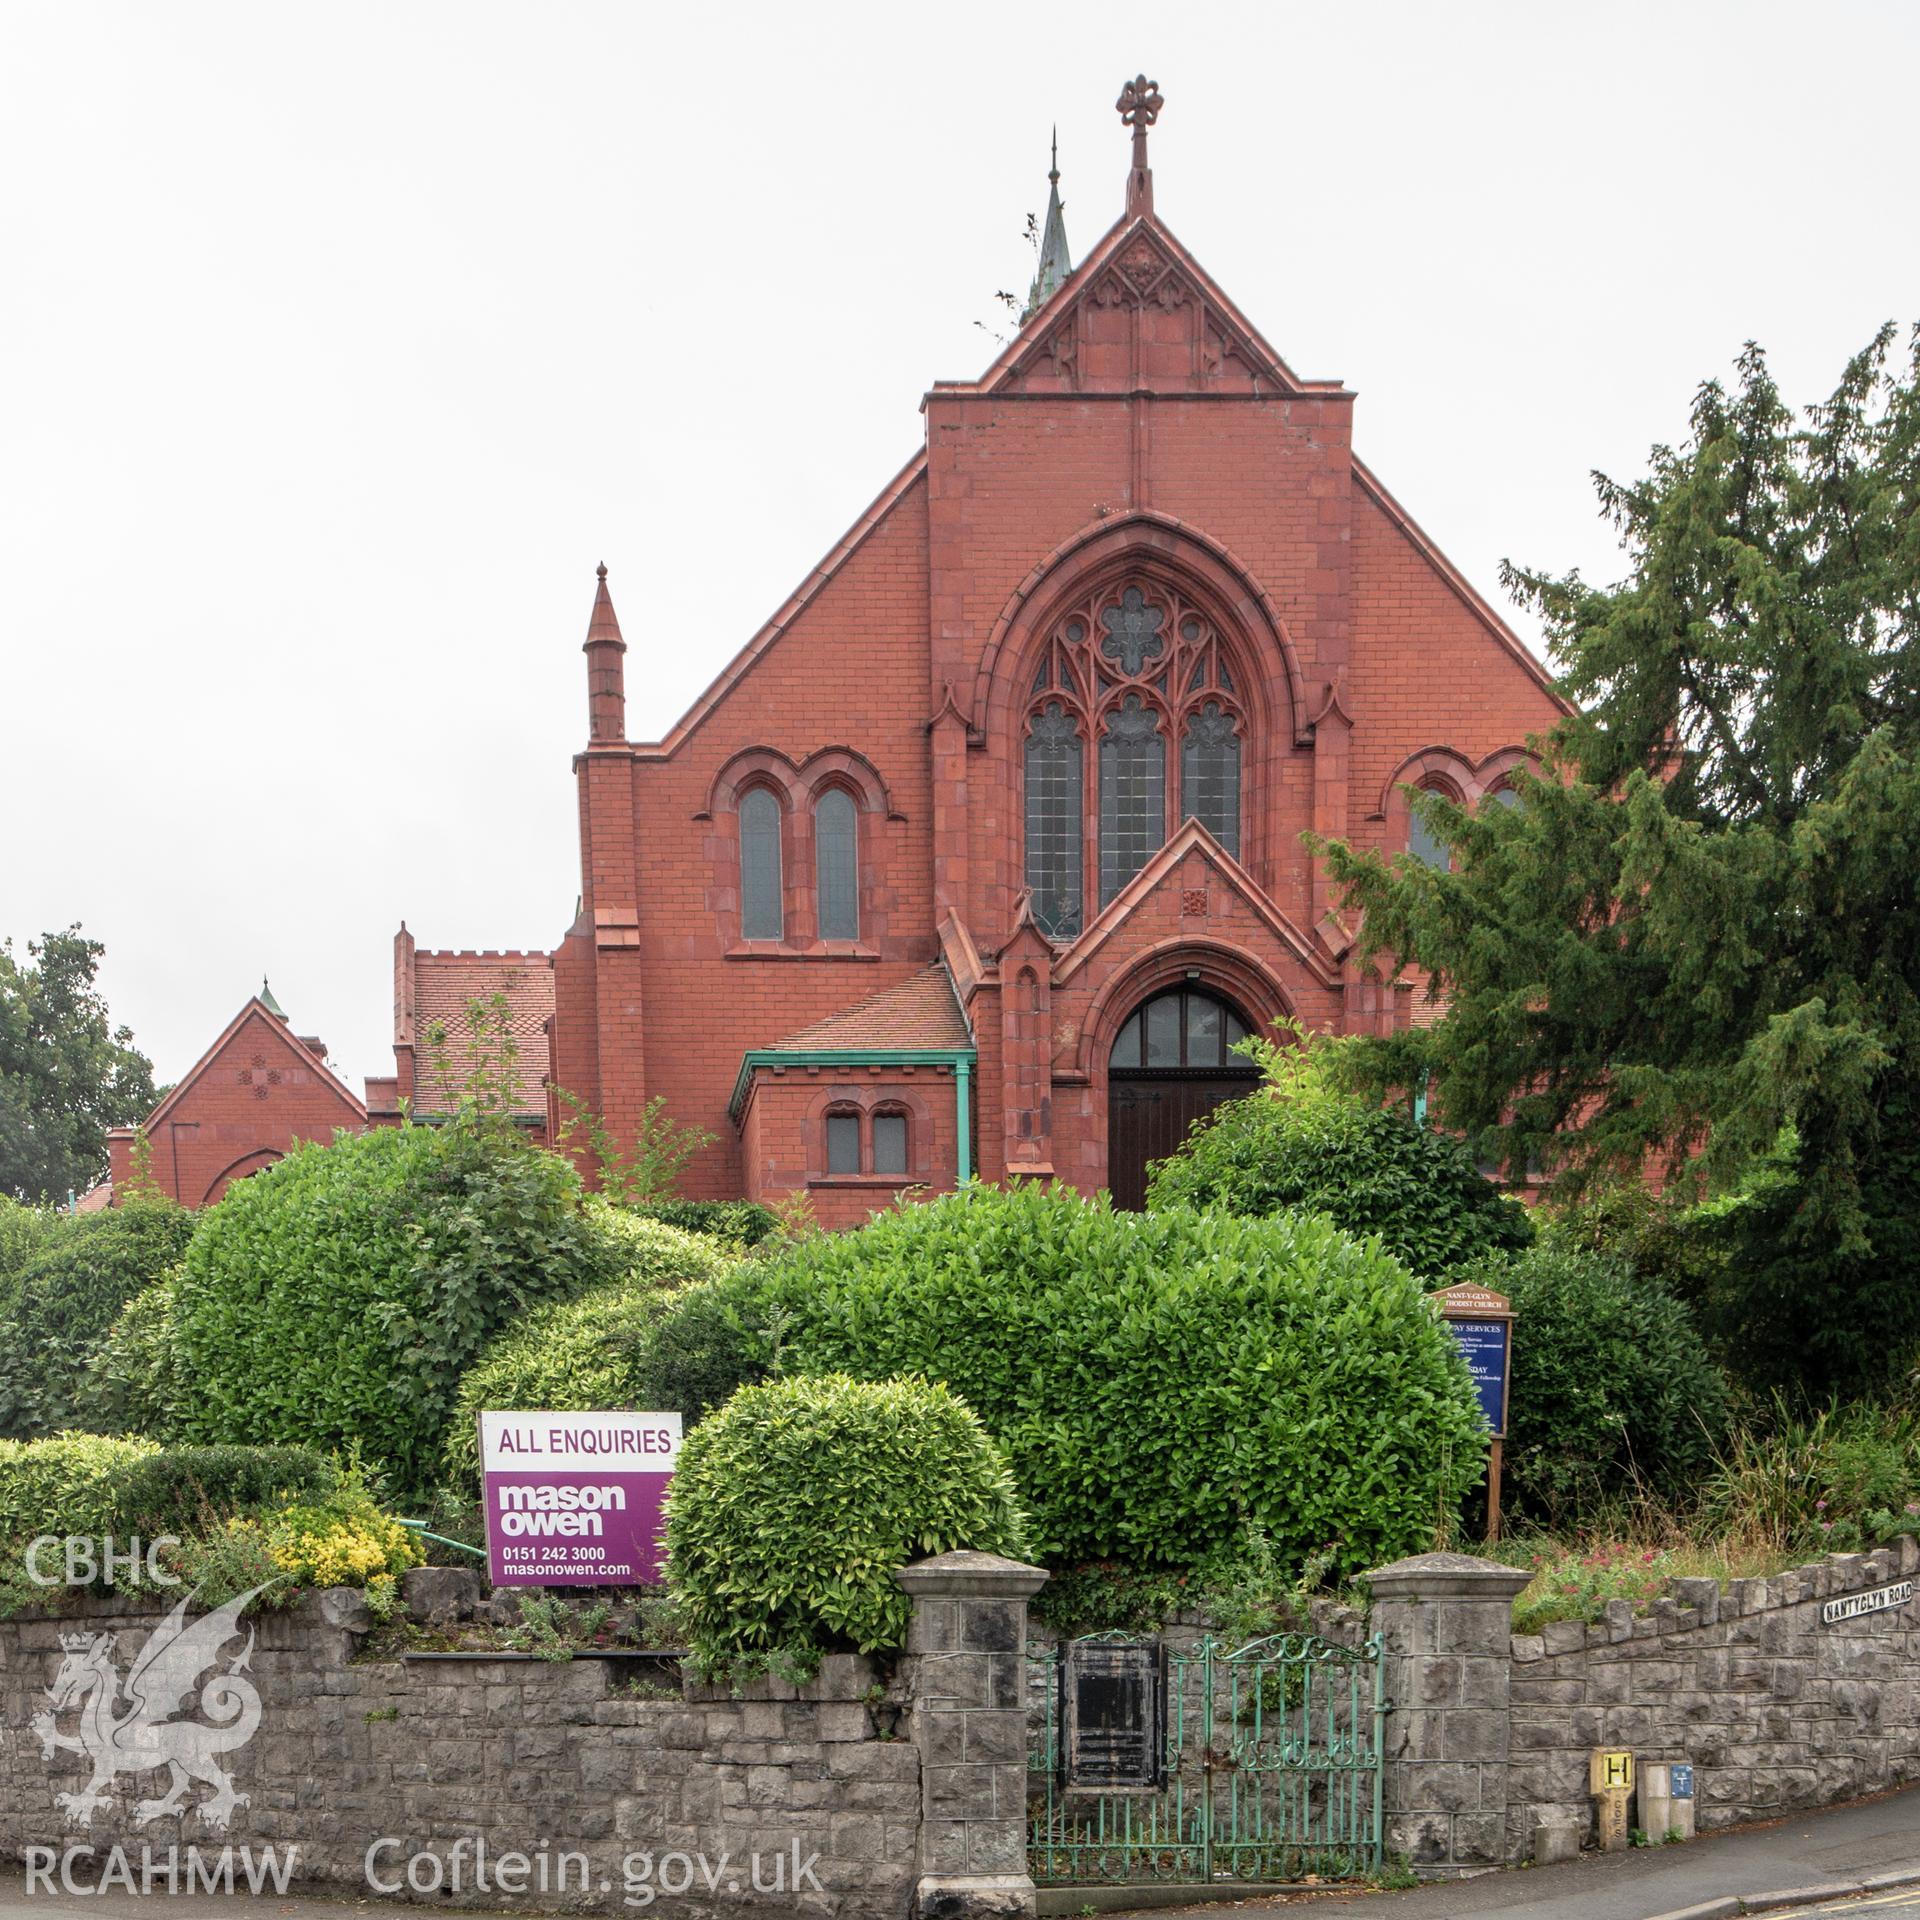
point(66, 1073)
point(1700, 927)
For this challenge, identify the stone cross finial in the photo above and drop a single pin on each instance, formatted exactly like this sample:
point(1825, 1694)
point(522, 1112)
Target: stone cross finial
point(1139, 107)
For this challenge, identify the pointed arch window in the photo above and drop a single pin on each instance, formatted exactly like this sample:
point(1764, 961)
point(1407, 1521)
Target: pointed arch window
point(1054, 814)
point(1423, 843)
point(836, 852)
point(1133, 793)
point(1210, 773)
point(761, 907)
point(1143, 674)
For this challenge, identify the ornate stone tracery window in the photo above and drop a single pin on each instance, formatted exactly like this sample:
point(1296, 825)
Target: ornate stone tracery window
point(1137, 670)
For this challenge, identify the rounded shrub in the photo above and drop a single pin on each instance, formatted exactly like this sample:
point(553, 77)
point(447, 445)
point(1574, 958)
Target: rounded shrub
point(337, 1297)
point(792, 1506)
point(1368, 1169)
point(71, 1289)
point(1612, 1383)
point(1160, 1382)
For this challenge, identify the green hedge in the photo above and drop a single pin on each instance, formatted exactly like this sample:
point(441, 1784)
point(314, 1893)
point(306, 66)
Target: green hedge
point(337, 1297)
point(1368, 1169)
point(1612, 1384)
point(70, 1290)
point(792, 1506)
point(190, 1490)
point(62, 1484)
point(1159, 1382)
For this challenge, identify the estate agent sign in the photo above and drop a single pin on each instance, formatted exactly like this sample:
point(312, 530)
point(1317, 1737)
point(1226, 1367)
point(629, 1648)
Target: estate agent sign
point(574, 1499)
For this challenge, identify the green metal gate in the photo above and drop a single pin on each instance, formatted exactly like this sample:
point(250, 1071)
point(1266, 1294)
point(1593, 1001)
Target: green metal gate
point(1268, 1767)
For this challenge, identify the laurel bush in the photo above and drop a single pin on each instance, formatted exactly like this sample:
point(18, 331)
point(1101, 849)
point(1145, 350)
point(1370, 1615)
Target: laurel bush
point(1160, 1382)
point(792, 1506)
point(336, 1298)
point(132, 1381)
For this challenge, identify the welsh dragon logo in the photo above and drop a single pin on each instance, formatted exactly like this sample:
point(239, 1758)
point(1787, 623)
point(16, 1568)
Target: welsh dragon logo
point(130, 1724)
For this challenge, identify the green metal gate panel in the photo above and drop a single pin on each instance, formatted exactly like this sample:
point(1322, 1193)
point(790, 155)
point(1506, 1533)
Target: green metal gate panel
point(1271, 1769)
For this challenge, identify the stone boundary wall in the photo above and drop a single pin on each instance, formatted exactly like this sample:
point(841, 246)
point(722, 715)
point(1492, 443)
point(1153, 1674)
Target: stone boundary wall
point(911, 1794)
point(1775, 1708)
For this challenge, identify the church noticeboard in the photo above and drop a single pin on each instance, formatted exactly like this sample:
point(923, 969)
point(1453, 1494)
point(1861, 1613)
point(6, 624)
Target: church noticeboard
point(1113, 1714)
point(1481, 1322)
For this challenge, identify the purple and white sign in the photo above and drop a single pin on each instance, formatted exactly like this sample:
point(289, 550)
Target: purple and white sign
point(574, 1499)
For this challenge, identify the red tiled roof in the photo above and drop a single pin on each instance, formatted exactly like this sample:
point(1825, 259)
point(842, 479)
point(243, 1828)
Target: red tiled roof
point(444, 986)
point(920, 1012)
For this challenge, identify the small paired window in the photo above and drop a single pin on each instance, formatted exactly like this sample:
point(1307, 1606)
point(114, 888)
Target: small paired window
point(866, 1143)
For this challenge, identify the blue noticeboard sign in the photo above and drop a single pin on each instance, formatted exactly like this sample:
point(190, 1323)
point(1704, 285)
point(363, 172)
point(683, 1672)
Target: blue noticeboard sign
point(1481, 1322)
point(1682, 1780)
point(1483, 1345)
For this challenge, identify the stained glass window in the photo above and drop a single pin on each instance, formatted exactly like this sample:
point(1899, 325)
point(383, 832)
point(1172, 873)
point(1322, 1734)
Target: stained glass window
point(836, 855)
point(760, 906)
point(1133, 793)
point(1054, 803)
point(1210, 774)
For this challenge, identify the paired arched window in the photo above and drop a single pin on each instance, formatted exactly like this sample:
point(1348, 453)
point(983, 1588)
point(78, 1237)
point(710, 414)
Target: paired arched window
point(835, 819)
point(884, 1150)
point(1141, 677)
point(836, 857)
point(762, 902)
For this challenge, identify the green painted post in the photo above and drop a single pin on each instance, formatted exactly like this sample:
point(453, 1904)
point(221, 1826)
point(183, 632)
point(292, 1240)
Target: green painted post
point(963, 1116)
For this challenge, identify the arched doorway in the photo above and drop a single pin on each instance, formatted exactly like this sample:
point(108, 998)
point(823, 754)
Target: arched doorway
point(1172, 1063)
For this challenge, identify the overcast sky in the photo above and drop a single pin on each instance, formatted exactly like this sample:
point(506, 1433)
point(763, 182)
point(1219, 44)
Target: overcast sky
point(338, 343)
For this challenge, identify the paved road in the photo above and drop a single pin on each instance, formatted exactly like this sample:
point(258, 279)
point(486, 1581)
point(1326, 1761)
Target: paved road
point(1849, 1844)
point(1868, 1907)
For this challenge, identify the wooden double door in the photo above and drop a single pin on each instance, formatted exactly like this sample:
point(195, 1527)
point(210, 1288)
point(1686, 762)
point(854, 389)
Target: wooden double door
point(1171, 1065)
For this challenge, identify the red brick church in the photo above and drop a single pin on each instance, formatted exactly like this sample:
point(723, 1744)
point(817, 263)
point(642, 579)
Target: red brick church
point(982, 852)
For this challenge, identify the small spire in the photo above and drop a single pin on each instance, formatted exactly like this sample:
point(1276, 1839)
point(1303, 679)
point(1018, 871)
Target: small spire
point(1055, 262)
point(606, 677)
point(268, 1001)
point(1139, 107)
